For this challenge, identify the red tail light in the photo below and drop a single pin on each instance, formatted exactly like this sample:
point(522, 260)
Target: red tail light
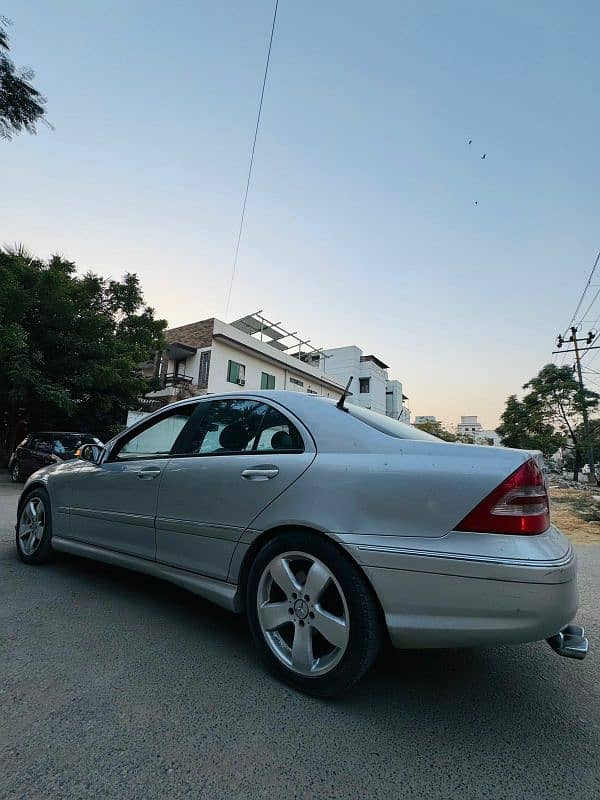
point(519, 505)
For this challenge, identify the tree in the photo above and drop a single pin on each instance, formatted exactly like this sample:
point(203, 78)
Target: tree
point(523, 425)
point(436, 429)
point(21, 105)
point(550, 414)
point(70, 346)
point(557, 393)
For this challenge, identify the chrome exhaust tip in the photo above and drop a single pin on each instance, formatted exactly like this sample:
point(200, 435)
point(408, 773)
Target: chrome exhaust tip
point(570, 642)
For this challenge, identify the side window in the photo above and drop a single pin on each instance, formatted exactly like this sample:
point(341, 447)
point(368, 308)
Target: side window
point(226, 426)
point(44, 446)
point(277, 434)
point(156, 439)
point(237, 426)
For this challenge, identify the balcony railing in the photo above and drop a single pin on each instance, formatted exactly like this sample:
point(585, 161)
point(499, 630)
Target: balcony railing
point(150, 404)
point(178, 379)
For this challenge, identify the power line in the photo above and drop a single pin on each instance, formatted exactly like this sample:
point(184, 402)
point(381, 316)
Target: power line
point(262, 94)
point(584, 316)
point(586, 287)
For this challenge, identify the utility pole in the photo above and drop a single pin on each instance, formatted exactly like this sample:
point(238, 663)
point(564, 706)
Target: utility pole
point(586, 421)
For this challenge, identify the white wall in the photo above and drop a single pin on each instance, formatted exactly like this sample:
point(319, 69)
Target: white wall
point(192, 366)
point(342, 362)
point(223, 352)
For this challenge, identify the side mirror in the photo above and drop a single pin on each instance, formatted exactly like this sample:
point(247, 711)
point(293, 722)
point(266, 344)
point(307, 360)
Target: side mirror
point(91, 452)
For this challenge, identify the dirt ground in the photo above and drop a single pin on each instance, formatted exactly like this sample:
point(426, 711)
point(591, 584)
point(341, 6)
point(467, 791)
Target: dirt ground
point(576, 514)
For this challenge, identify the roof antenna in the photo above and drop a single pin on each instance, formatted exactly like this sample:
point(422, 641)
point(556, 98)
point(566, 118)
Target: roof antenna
point(340, 402)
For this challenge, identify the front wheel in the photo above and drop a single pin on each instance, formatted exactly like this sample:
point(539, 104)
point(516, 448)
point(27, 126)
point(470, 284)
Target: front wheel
point(312, 614)
point(15, 473)
point(34, 529)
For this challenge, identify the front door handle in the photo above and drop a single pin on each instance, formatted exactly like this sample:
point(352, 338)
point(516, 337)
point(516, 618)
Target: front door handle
point(260, 473)
point(148, 474)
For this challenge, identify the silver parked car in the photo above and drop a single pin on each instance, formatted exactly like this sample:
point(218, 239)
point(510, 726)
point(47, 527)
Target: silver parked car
point(326, 524)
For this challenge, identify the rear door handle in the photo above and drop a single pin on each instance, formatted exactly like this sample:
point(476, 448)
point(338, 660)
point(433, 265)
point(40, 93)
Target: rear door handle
point(148, 474)
point(260, 473)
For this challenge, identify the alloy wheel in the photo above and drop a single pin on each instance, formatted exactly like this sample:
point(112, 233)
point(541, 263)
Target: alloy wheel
point(32, 525)
point(303, 613)
point(14, 473)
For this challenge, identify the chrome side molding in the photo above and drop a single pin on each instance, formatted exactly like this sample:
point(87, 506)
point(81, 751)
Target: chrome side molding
point(570, 642)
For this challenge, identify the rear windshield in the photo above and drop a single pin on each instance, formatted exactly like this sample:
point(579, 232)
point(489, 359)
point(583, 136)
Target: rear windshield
point(389, 426)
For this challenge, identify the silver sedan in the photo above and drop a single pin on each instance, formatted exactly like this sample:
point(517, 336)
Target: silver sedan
point(328, 525)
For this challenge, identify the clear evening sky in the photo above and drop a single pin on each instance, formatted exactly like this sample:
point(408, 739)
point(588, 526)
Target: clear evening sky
point(361, 225)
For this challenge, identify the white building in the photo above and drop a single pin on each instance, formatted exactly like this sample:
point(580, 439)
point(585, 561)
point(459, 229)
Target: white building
point(370, 387)
point(211, 356)
point(471, 427)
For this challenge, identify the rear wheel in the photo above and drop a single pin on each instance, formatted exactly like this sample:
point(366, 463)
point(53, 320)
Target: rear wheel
point(312, 614)
point(34, 529)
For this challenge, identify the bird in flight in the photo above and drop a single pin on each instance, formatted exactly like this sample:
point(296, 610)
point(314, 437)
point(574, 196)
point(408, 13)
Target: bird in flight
point(483, 156)
point(476, 203)
point(470, 140)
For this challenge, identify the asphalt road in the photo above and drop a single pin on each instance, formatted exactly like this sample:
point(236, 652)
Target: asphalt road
point(114, 685)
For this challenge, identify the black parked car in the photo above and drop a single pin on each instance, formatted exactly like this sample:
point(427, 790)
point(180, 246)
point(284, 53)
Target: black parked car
point(40, 449)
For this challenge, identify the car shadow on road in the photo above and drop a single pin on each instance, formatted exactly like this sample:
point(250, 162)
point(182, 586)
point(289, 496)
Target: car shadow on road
point(506, 686)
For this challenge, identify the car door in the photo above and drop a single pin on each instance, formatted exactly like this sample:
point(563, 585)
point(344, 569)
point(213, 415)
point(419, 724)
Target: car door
point(113, 504)
point(235, 457)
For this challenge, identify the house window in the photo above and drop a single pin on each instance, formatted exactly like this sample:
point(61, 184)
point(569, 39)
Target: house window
point(267, 381)
point(204, 369)
point(364, 385)
point(236, 373)
point(297, 382)
point(311, 391)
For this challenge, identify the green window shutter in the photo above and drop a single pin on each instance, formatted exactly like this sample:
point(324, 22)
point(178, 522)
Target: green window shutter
point(267, 381)
point(233, 372)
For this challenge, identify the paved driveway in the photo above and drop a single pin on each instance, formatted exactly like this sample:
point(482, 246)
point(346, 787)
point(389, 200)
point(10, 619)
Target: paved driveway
point(115, 685)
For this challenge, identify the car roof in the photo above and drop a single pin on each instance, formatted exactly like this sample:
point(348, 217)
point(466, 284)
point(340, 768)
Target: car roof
point(60, 433)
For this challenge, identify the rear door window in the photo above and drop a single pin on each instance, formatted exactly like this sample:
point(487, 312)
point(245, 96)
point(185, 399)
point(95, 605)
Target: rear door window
point(44, 445)
point(227, 427)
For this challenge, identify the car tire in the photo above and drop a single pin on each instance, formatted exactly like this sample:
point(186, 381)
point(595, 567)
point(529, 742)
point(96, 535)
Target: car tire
point(34, 528)
point(339, 627)
point(15, 473)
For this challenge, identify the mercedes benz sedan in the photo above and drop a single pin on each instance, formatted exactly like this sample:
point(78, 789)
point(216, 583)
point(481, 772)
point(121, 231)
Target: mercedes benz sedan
point(330, 526)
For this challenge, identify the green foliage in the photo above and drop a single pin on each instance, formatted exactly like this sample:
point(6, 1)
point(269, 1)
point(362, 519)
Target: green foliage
point(70, 345)
point(557, 392)
point(21, 106)
point(523, 425)
point(436, 429)
point(550, 414)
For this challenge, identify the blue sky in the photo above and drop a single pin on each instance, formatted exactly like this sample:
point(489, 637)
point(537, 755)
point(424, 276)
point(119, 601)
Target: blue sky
point(361, 226)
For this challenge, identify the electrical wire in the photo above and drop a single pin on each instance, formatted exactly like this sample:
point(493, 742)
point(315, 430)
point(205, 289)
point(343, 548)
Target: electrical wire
point(262, 94)
point(586, 287)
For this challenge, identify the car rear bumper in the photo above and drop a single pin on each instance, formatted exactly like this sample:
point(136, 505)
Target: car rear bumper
point(452, 598)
